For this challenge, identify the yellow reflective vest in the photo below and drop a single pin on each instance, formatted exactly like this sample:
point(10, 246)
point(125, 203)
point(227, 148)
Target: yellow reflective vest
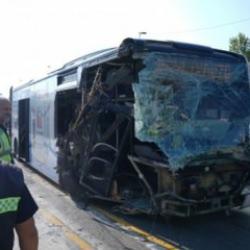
point(5, 147)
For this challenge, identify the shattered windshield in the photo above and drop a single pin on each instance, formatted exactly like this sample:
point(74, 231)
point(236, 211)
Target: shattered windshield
point(190, 104)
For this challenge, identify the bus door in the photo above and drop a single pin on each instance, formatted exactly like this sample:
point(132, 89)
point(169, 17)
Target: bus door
point(24, 129)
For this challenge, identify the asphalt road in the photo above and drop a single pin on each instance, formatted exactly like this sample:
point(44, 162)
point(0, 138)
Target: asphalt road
point(64, 225)
point(210, 232)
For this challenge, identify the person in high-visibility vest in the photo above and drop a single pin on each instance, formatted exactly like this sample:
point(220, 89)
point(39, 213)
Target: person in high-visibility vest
point(5, 146)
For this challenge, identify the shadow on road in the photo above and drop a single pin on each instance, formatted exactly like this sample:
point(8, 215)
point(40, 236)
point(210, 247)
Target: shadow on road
point(217, 231)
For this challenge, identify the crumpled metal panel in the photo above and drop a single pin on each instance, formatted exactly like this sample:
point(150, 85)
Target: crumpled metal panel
point(190, 105)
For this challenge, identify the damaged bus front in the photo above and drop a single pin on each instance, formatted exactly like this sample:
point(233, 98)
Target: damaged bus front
point(161, 128)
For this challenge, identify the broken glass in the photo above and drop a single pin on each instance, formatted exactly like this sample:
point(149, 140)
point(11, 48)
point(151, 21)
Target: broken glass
point(189, 104)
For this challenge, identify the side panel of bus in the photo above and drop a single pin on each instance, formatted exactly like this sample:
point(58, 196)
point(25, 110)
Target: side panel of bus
point(33, 132)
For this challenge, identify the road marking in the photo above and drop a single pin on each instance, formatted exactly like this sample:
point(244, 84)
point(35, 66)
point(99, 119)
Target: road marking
point(51, 218)
point(137, 230)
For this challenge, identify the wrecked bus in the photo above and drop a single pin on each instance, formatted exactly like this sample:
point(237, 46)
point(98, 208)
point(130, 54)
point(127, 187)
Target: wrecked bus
point(155, 127)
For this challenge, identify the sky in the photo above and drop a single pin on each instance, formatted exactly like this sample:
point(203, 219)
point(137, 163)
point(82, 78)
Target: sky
point(38, 36)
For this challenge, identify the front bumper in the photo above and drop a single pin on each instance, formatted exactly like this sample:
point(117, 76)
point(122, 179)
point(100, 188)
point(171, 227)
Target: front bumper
point(188, 208)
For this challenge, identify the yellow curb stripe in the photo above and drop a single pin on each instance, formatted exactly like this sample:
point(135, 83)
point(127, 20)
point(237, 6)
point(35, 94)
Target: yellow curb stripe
point(82, 244)
point(139, 231)
point(78, 241)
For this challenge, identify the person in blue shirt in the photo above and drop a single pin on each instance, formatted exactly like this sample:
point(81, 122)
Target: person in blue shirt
point(17, 208)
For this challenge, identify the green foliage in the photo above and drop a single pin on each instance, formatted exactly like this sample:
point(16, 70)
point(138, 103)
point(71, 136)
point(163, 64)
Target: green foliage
point(240, 44)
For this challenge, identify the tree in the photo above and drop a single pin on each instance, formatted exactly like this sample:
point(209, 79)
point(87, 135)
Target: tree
point(240, 44)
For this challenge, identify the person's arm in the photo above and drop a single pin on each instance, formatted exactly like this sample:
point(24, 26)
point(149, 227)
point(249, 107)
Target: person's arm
point(25, 225)
point(27, 235)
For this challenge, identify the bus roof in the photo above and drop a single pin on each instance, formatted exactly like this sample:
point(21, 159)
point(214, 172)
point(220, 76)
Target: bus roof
point(138, 45)
point(129, 46)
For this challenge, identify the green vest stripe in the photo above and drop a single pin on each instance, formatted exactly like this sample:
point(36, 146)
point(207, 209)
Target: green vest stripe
point(5, 147)
point(9, 204)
